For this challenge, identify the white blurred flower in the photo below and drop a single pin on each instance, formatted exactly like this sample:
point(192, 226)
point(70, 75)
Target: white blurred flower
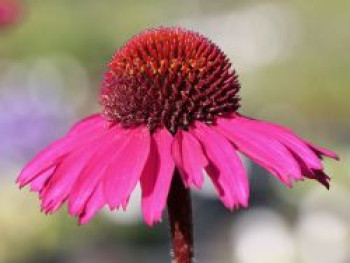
point(322, 238)
point(262, 235)
point(254, 36)
point(323, 228)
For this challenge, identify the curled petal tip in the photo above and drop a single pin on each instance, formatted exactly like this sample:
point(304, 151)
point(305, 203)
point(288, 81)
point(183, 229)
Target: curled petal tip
point(335, 157)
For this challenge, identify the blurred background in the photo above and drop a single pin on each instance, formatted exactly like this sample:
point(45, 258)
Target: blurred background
point(294, 62)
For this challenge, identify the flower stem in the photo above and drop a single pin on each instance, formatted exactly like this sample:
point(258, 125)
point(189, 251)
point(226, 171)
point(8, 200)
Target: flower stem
point(180, 220)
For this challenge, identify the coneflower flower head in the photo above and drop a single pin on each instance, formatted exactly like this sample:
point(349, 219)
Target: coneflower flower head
point(169, 101)
point(169, 77)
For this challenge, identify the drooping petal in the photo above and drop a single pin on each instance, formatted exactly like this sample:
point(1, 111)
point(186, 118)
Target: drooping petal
point(59, 186)
point(38, 183)
point(285, 136)
point(93, 205)
point(54, 153)
point(176, 152)
point(224, 166)
point(46, 159)
point(264, 150)
point(307, 155)
point(323, 152)
point(321, 177)
point(68, 171)
point(314, 174)
point(95, 170)
point(156, 176)
point(121, 177)
point(189, 158)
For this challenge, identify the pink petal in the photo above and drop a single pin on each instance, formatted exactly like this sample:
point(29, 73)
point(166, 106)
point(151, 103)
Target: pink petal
point(123, 174)
point(305, 153)
point(286, 137)
point(264, 150)
point(156, 176)
point(318, 150)
point(94, 204)
point(95, 170)
point(55, 152)
point(317, 175)
point(68, 172)
point(189, 158)
point(38, 183)
point(321, 151)
point(86, 124)
point(225, 167)
point(48, 158)
point(176, 152)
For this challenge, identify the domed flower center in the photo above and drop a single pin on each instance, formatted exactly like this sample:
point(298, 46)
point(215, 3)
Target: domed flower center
point(168, 77)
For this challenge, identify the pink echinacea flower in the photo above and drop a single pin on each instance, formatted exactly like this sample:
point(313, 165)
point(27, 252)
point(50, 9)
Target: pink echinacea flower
point(169, 102)
point(9, 12)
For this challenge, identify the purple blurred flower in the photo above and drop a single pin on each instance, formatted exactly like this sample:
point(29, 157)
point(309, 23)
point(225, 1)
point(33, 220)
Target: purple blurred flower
point(32, 111)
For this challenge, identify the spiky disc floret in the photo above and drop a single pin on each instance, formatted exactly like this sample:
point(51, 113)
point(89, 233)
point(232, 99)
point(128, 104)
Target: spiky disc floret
point(168, 77)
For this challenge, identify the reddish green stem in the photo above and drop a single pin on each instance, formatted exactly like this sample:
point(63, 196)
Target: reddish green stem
point(180, 220)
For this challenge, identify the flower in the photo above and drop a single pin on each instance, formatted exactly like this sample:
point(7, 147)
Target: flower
point(169, 102)
point(9, 12)
point(25, 105)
